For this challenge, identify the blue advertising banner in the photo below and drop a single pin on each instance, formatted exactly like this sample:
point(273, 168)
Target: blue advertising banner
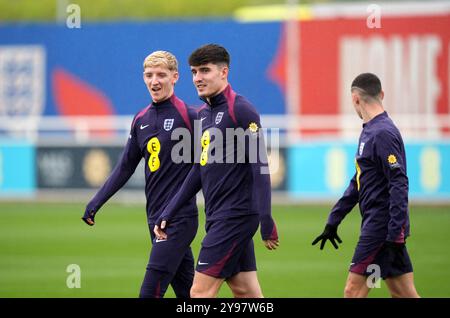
point(97, 69)
point(322, 170)
point(17, 173)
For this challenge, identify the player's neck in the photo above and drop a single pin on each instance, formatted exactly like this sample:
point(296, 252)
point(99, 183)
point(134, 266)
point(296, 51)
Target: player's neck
point(371, 111)
point(156, 103)
point(222, 88)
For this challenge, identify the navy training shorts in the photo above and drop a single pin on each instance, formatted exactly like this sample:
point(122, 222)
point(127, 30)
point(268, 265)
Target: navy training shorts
point(227, 248)
point(391, 263)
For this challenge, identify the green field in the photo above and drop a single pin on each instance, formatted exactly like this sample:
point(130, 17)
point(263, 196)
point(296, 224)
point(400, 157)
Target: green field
point(39, 240)
point(101, 10)
point(46, 10)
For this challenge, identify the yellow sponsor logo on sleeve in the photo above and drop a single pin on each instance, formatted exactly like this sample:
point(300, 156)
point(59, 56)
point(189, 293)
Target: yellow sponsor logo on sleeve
point(253, 127)
point(392, 159)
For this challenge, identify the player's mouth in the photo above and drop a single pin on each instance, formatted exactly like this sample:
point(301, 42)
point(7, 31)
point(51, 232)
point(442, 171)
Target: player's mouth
point(201, 86)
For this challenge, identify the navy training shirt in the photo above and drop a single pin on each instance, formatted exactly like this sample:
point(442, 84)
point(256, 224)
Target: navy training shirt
point(380, 183)
point(229, 171)
point(150, 138)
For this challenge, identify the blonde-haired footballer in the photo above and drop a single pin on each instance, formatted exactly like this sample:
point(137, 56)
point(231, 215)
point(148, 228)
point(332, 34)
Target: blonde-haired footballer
point(171, 261)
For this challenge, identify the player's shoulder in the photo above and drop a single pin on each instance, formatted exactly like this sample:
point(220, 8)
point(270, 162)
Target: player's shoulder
point(140, 114)
point(244, 106)
point(179, 105)
point(192, 111)
point(245, 112)
point(202, 109)
point(387, 134)
point(184, 112)
point(242, 101)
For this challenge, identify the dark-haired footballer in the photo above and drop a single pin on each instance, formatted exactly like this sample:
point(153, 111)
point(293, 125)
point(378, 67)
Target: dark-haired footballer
point(171, 260)
point(237, 192)
point(380, 186)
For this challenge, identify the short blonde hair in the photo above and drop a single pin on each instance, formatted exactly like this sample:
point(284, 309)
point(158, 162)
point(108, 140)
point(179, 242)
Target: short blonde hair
point(161, 58)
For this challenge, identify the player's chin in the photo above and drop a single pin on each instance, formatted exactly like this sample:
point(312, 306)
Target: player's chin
point(158, 98)
point(202, 92)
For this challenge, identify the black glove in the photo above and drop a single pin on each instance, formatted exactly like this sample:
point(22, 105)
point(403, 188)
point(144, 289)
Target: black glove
point(89, 216)
point(329, 233)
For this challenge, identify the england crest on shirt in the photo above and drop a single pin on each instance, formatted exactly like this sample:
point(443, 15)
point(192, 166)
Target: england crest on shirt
point(219, 117)
point(168, 124)
point(361, 148)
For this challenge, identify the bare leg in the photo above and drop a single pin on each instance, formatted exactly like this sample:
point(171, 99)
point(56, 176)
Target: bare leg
point(245, 285)
point(205, 286)
point(402, 286)
point(356, 286)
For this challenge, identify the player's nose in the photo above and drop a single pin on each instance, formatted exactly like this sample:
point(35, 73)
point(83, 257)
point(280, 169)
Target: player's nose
point(151, 79)
point(154, 83)
point(197, 78)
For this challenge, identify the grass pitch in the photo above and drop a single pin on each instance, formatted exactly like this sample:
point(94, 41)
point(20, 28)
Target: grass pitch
point(39, 240)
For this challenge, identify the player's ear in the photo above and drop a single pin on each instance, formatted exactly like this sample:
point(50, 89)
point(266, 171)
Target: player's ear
point(355, 98)
point(381, 95)
point(224, 72)
point(175, 78)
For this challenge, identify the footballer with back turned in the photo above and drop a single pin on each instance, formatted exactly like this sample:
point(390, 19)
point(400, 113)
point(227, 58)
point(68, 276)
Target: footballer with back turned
point(171, 260)
point(380, 186)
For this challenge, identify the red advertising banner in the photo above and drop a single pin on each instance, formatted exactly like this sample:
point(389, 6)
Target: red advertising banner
point(410, 54)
